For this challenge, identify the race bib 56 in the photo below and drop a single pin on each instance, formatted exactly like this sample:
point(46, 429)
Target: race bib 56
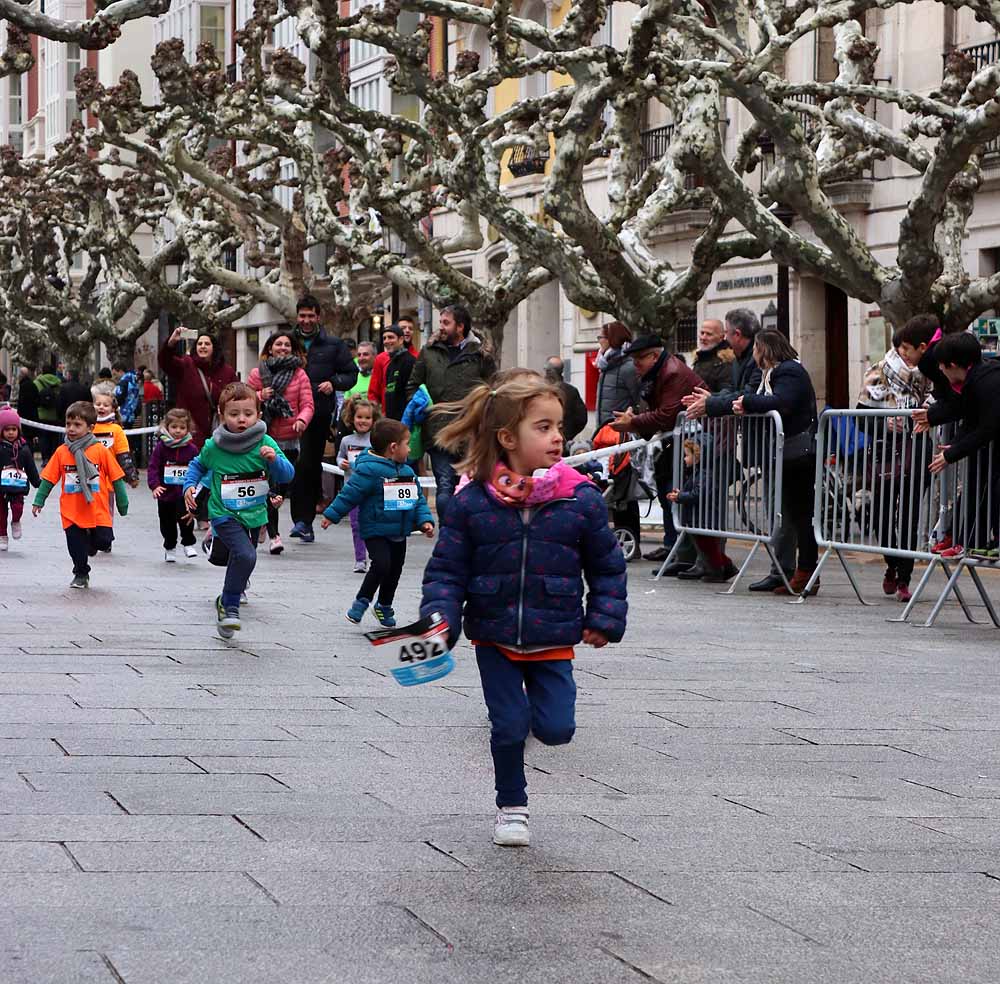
point(244, 491)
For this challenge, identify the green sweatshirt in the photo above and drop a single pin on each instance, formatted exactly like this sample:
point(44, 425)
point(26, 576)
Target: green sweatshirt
point(238, 483)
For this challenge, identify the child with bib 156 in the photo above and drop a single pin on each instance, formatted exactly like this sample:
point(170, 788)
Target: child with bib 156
point(385, 491)
point(168, 464)
point(244, 462)
point(517, 541)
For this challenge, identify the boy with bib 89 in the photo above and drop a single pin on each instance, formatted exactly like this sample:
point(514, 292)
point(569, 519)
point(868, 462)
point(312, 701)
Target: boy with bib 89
point(241, 464)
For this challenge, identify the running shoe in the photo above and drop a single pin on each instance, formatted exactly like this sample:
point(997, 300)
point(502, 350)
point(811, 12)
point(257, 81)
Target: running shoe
point(357, 611)
point(943, 544)
point(385, 615)
point(3, 542)
point(297, 529)
point(227, 619)
point(903, 593)
point(80, 581)
point(952, 553)
point(890, 583)
point(190, 551)
point(361, 567)
point(307, 535)
point(170, 556)
point(510, 828)
point(15, 529)
point(206, 546)
point(276, 545)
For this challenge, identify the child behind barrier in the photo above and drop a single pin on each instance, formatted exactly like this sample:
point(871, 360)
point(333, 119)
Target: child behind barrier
point(695, 496)
point(517, 540)
point(977, 382)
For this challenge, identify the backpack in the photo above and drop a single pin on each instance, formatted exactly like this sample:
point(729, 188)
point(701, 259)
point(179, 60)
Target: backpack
point(46, 395)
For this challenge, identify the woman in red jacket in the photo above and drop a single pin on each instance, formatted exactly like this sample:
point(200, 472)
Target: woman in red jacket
point(199, 379)
point(287, 407)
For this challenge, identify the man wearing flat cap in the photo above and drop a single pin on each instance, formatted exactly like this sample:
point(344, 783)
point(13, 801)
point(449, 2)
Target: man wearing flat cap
point(665, 380)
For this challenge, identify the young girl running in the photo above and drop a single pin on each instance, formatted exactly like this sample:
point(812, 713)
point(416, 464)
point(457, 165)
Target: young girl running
point(386, 491)
point(286, 406)
point(359, 416)
point(518, 538)
point(109, 432)
point(17, 470)
point(238, 463)
point(173, 452)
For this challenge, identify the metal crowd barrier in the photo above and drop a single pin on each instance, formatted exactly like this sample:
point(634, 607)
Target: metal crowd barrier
point(738, 479)
point(875, 494)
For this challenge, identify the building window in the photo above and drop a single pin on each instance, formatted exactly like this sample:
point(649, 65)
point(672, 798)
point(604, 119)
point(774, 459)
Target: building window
point(15, 114)
point(16, 140)
point(213, 28)
point(686, 338)
point(364, 95)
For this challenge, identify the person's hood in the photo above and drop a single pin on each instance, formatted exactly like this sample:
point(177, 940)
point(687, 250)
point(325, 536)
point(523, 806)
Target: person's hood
point(372, 465)
point(472, 344)
point(558, 482)
point(49, 379)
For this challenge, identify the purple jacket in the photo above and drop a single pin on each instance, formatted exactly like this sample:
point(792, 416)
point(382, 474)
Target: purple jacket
point(161, 456)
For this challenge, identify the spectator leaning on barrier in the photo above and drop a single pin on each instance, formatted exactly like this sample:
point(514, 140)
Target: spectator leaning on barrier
point(618, 383)
point(715, 357)
point(574, 409)
point(785, 386)
point(665, 381)
point(977, 382)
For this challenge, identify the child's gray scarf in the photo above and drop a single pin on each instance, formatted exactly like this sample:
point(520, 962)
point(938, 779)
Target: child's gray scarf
point(86, 470)
point(235, 443)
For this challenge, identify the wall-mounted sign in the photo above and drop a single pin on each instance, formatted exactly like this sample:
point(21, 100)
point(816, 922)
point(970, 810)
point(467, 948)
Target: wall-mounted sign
point(742, 283)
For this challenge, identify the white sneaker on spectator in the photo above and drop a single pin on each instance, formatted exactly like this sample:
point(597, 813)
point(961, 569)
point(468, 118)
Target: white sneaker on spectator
point(511, 827)
point(170, 556)
point(190, 552)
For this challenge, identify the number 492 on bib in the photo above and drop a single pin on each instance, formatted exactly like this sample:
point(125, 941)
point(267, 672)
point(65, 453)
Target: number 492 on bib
point(419, 652)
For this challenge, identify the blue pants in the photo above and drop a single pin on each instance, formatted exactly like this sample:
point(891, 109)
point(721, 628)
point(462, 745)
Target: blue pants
point(236, 547)
point(445, 478)
point(83, 543)
point(521, 696)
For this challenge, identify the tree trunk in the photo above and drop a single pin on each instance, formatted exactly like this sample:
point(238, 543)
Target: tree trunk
point(121, 350)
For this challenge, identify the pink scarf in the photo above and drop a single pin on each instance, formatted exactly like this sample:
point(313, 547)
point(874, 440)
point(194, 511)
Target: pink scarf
point(511, 489)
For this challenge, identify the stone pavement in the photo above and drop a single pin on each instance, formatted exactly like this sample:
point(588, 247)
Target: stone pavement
point(757, 792)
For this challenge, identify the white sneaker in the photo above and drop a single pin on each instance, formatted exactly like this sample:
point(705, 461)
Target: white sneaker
point(361, 567)
point(15, 529)
point(3, 543)
point(191, 551)
point(511, 827)
point(170, 556)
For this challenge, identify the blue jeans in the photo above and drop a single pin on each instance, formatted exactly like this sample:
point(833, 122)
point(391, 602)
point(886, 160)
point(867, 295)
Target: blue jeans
point(236, 547)
point(521, 696)
point(445, 478)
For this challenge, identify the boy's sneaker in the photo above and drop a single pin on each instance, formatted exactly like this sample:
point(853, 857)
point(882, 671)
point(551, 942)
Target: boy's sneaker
point(80, 581)
point(361, 567)
point(511, 827)
point(943, 544)
point(190, 551)
point(15, 529)
point(357, 611)
point(297, 529)
point(903, 593)
point(890, 583)
point(276, 545)
point(170, 556)
point(227, 620)
point(307, 535)
point(244, 600)
point(206, 546)
point(385, 615)
point(3, 543)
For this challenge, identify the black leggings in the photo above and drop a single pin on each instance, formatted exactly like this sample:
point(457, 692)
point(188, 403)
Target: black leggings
point(798, 485)
point(292, 454)
point(387, 558)
point(172, 515)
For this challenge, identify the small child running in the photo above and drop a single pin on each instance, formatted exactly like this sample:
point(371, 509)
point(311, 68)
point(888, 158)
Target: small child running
point(90, 475)
point(109, 431)
point(173, 452)
point(517, 540)
point(243, 461)
point(385, 491)
point(360, 415)
point(17, 470)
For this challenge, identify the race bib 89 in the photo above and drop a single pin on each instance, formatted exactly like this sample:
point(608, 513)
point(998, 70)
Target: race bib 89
point(244, 491)
point(399, 496)
point(419, 652)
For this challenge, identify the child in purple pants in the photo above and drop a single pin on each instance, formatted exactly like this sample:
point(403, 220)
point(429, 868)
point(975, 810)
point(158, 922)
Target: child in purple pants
point(360, 416)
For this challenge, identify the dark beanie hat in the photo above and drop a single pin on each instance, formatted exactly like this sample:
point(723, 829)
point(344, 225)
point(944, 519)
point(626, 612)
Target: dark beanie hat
point(645, 342)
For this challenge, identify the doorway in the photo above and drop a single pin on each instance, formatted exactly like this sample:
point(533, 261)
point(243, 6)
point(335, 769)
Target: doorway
point(838, 383)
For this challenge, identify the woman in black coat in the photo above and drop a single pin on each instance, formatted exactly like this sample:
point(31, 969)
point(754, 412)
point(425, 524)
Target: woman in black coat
point(787, 388)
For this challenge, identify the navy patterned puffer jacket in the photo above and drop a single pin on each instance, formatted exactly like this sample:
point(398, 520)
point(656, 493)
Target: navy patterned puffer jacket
point(521, 584)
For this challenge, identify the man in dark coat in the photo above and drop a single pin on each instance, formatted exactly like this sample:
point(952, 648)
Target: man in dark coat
point(574, 409)
point(449, 367)
point(714, 359)
point(330, 368)
point(665, 382)
point(71, 391)
point(397, 372)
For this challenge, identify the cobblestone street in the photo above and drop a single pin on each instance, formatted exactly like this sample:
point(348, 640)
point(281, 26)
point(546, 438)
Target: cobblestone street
point(757, 792)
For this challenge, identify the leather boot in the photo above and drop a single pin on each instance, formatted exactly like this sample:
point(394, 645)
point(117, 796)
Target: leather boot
point(798, 582)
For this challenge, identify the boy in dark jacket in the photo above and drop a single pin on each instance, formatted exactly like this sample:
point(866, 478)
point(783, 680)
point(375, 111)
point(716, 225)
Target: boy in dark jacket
point(391, 504)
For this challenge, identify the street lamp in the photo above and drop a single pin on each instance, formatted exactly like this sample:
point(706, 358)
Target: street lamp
point(786, 215)
point(395, 244)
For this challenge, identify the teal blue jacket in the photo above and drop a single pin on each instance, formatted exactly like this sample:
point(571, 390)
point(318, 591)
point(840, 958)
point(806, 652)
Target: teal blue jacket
point(364, 491)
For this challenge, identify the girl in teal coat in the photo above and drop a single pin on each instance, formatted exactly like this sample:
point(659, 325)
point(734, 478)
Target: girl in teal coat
point(387, 494)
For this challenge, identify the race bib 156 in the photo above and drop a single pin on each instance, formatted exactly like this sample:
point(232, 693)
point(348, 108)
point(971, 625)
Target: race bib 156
point(244, 491)
point(418, 652)
point(174, 474)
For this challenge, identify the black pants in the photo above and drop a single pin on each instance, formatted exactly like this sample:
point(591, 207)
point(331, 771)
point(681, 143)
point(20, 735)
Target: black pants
point(48, 442)
point(307, 486)
point(663, 475)
point(387, 558)
point(901, 516)
point(172, 515)
point(292, 455)
point(799, 483)
point(83, 543)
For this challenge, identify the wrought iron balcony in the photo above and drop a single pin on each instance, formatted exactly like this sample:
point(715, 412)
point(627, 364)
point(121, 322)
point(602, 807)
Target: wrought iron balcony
point(654, 145)
point(983, 55)
point(526, 160)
